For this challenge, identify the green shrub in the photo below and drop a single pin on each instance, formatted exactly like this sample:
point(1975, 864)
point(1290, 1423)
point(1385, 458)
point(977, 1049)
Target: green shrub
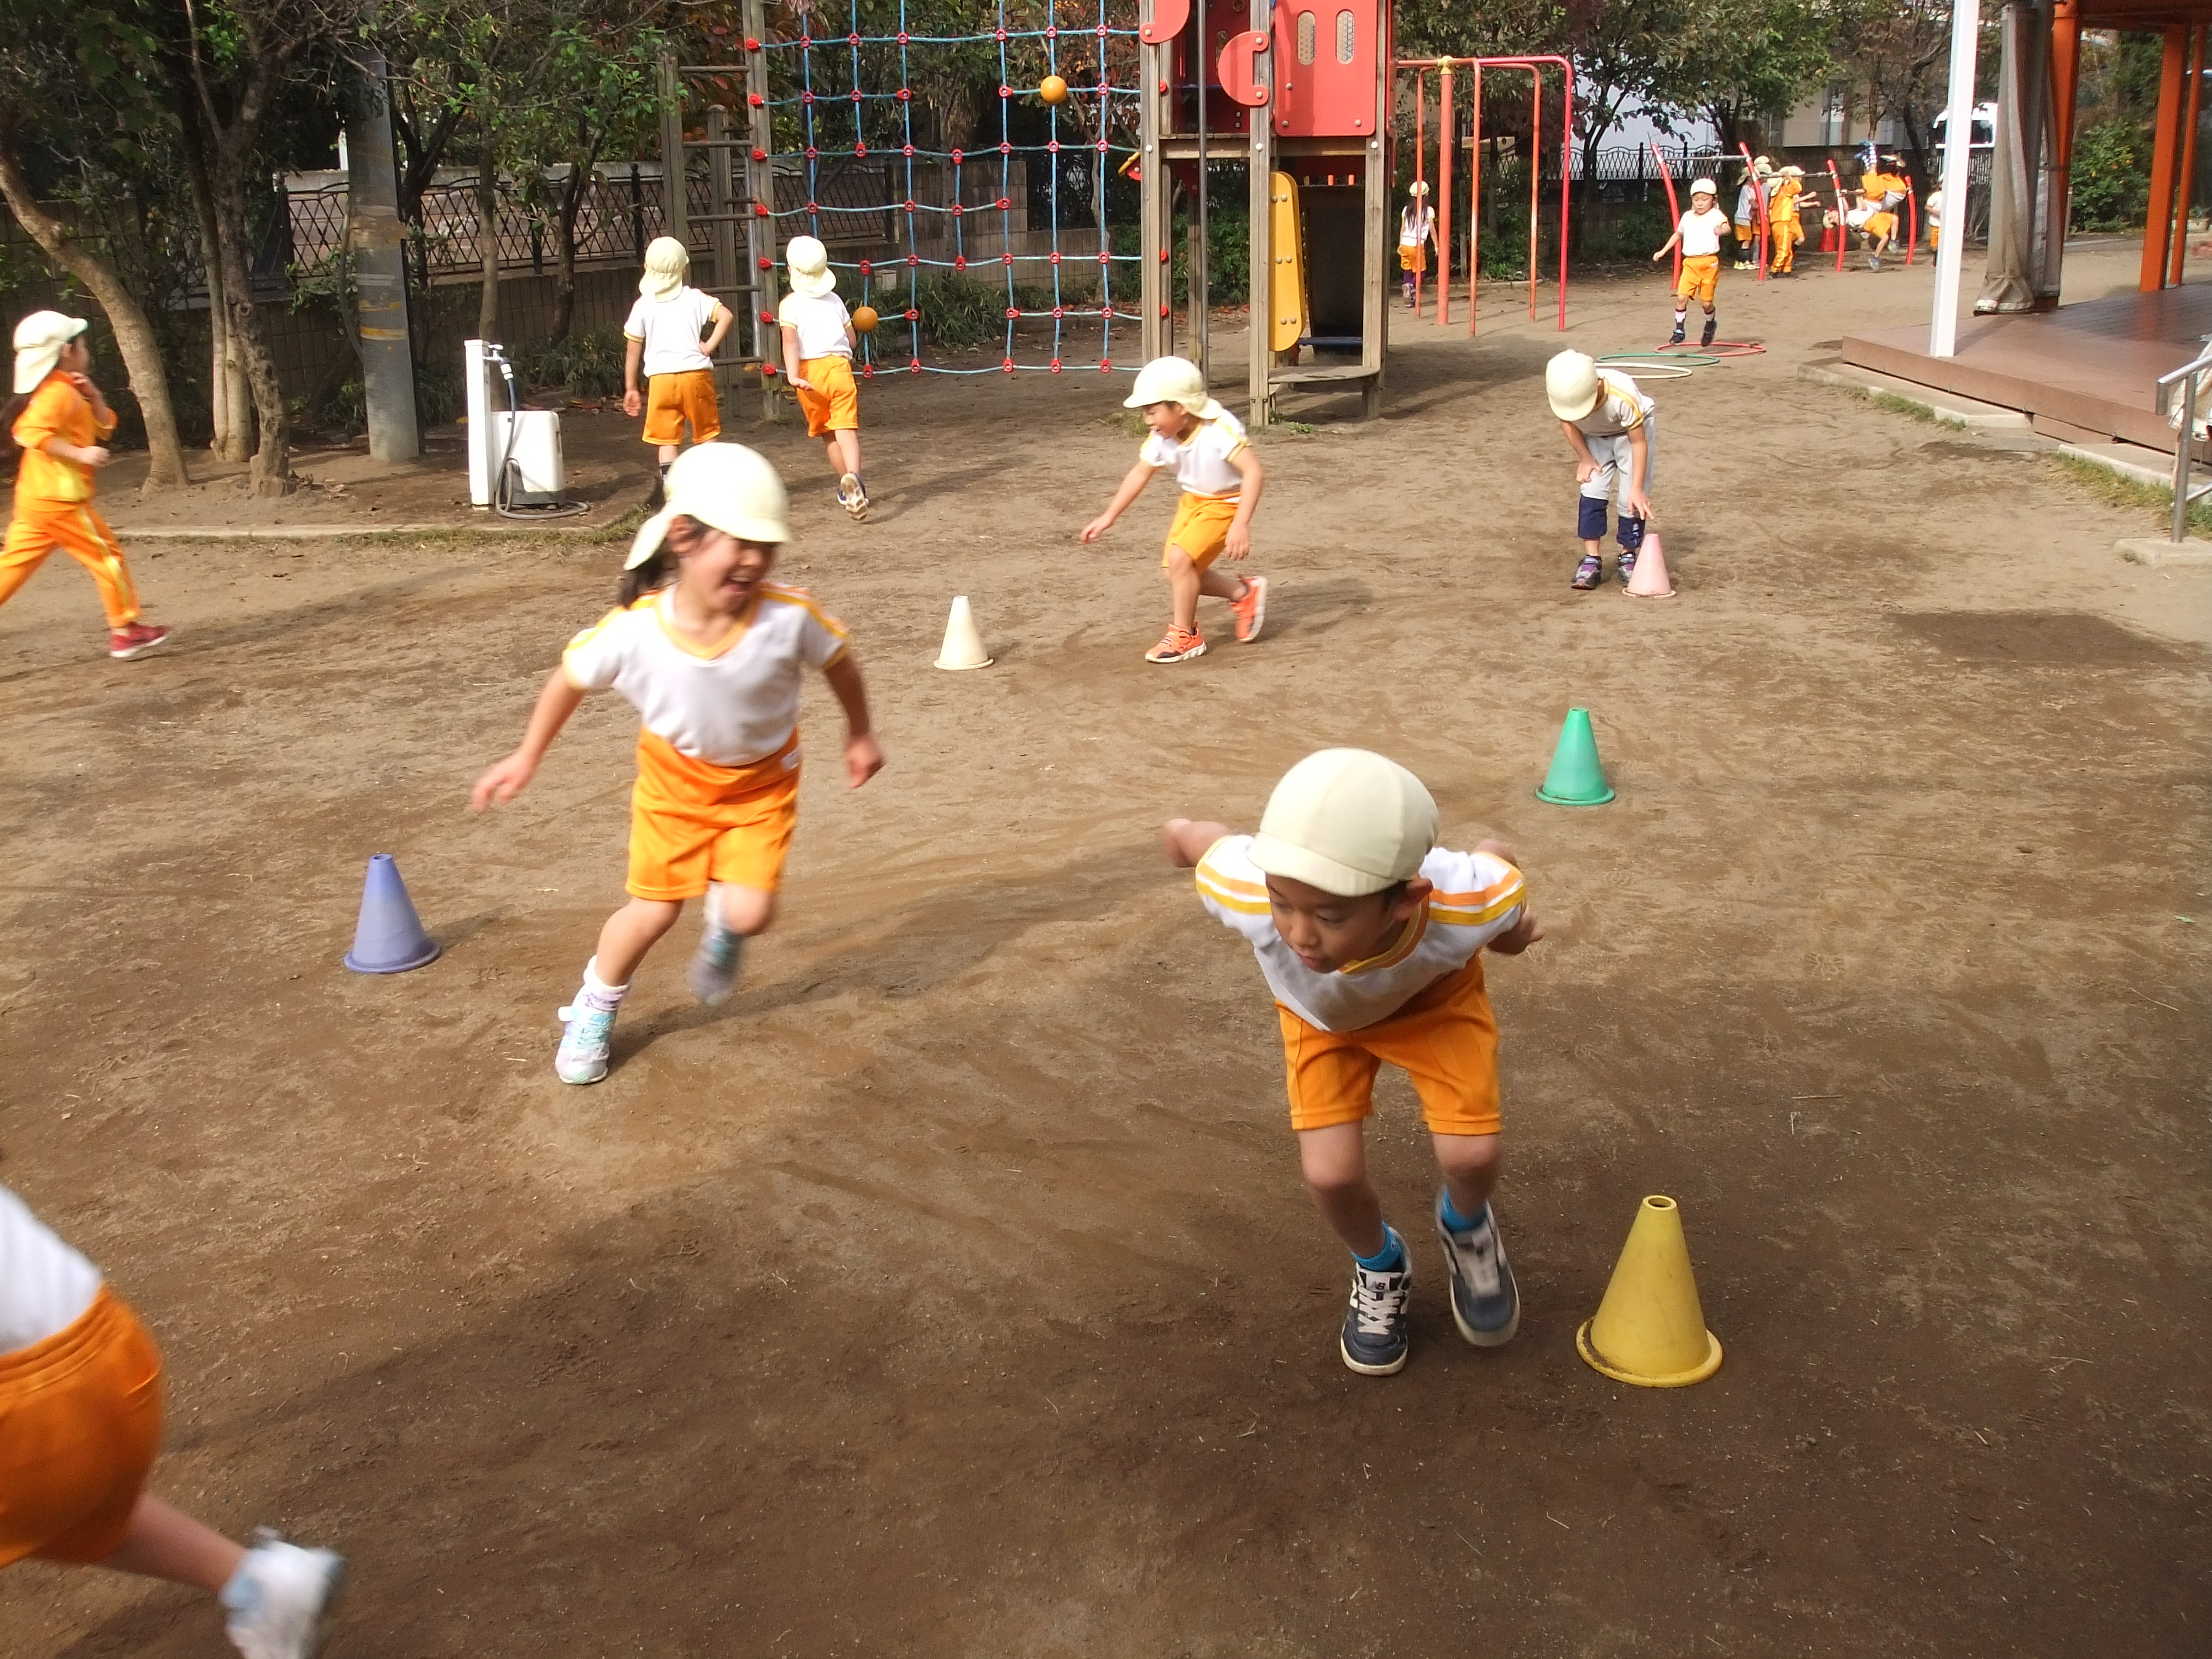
point(438, 393)
point(2111, 177)
point(959, 313)
point(589, 365)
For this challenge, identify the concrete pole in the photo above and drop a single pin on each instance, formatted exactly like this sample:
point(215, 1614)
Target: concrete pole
point(1958, 140)
point(377, 242)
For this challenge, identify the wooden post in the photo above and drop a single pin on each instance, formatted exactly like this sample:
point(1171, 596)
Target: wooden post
point(675, 211)
point(759, 187)
point(2188, 154)
point(2158, 227)
point(1447, 129)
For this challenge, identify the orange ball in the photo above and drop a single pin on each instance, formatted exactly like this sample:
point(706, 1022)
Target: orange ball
point(865, 319)
point(1053, 89)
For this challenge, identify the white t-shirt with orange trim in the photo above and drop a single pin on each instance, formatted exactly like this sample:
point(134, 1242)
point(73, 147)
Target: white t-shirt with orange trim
point(1478, 896)
point(45, 1285)
point(731, 706)
point(1205, 463)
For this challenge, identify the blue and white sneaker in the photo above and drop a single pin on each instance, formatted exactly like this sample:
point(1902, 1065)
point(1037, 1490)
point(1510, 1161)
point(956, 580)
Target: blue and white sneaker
point(1485, 1303)
point(713, 971)
point(1375, 1338)
point(281, 1599)
point(582, 1056)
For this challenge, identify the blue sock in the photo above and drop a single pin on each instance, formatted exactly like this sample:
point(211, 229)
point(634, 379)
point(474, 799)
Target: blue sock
point(1449, 1215)
point(1389, 1258)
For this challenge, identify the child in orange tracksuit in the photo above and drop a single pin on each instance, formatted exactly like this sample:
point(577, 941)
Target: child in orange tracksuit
point(62, 416)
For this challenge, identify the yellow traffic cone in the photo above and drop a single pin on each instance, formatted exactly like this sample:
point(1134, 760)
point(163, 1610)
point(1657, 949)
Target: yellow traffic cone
point(1650, 1330)
point(964, 644)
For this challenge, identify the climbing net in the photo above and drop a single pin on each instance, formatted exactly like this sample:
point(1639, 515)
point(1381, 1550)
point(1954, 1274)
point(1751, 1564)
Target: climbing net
point(836, 107)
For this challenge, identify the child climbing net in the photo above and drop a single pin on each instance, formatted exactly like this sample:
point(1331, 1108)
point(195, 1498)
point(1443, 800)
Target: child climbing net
point(827, 98)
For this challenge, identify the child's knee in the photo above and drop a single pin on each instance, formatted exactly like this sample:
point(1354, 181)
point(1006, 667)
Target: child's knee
point(1468, 1158)
point(745, 910)
point(1180, 565)
point(1333, 1160)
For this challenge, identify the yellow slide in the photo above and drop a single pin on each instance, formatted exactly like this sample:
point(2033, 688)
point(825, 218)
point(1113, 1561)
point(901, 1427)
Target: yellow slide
point(1287, 291)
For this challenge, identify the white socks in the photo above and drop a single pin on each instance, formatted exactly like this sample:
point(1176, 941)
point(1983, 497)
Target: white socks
point(597, 993)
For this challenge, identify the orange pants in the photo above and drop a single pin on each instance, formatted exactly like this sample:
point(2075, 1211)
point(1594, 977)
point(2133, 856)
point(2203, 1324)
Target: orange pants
point(40, 526)
point(1445, 1039)
point(80, 1423)
point(692, 823)
point(1784, 240)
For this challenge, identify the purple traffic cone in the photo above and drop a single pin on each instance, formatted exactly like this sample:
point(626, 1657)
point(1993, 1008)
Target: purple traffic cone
point(389, 937)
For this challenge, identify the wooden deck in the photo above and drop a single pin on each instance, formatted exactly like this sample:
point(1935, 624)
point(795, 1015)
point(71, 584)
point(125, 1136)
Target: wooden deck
point(2084, 372)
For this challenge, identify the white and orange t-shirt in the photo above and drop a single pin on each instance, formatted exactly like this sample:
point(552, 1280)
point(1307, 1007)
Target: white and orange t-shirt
point(1205, 463)
point(731, 706)
point(1478, 896)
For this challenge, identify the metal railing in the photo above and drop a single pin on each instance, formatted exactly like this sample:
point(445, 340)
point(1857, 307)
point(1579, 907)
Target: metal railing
point(2189, 377)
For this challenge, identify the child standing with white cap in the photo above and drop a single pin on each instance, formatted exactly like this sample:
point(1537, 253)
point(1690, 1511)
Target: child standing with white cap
point(61, 424)
point(819, 343)
point(1698, 231)
point(1220, 477)
point(80, 1428)
point(1417, 226)
point(663, 340)
point(1368, 933)
point(711, 653)
point(1613, 428)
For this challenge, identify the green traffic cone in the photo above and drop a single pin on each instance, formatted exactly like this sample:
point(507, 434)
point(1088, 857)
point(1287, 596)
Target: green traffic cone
point(1576, 778)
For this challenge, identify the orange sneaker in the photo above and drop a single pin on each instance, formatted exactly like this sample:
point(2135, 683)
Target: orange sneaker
point(1251, 610)
point(1176, 645)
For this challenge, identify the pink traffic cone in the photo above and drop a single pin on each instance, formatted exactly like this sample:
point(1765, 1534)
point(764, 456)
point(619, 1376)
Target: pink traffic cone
point(1650, 579)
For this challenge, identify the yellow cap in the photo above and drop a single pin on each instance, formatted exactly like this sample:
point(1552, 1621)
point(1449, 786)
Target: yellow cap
point(1173, 381)
point(1347, 820)
point(1570, 382)
point(726, 486)
point(666, 264)
point(810, 266)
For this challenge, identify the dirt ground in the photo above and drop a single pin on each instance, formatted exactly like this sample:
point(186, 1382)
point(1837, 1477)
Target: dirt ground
point(953, 1291)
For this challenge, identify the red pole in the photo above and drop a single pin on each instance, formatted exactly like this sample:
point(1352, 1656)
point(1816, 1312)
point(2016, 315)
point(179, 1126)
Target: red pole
point(1566, 145)
point(1420, 138)
point(2188, 155)
point(1475, 197)
point(1759, 196)
point(1445, 130)
point(1911, 220)
point(1843, 230)
point(1674, 205)
point(1536, 169)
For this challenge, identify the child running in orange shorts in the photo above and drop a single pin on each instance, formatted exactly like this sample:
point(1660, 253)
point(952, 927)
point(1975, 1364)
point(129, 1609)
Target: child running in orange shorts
point(1220, 477)
point(662, 340)
point(1367, 933)
point(80, 1425)
point(819, 343)
point(1699, 232)
point(61, 423)
point(711, 653)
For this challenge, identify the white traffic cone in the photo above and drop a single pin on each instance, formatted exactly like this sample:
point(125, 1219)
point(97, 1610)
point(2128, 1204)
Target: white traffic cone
point(963, 646)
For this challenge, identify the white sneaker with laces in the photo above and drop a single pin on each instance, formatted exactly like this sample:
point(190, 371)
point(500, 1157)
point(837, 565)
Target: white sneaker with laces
point(281, 1599)
point(582, 1056)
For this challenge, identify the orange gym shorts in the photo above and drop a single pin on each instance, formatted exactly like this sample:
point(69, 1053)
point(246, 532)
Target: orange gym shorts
point(830, 400)
point(692, 823)
point(1411, 259)
point(1445, 1039)
point(80, 1423)
point(672, 399)
point(1700, 278)
point(1200, 528)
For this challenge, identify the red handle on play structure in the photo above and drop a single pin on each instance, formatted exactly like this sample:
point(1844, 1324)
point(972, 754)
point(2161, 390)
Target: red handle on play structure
point(1673, 208)
point(1239, 67)
point(1843, 227)
point(1168, 18)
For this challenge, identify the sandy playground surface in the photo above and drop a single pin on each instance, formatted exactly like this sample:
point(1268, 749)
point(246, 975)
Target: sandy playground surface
point(951, 1292)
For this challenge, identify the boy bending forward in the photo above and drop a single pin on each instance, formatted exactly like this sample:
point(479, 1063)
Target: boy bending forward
point(1368, 933)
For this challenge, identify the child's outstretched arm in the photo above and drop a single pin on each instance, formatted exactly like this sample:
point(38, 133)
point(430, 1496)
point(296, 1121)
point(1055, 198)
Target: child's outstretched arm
point(1133, 485)
point(864, 756)
point(507, 779)
point(1238, 542)
point(723, 318)
point(1187, 840)
point(1667, 247)
point(633, 358)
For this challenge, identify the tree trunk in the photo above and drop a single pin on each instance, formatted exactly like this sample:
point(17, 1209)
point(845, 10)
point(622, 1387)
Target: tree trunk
point(134, 334)
point(229, 405)
point(574, 190)
point(488, 239)
point(272, 456)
